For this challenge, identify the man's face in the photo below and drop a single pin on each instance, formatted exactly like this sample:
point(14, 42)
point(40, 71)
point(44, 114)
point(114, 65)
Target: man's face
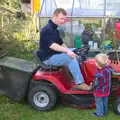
point(59, 19)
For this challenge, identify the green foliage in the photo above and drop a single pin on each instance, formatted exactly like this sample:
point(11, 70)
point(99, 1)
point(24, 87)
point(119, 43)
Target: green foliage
point(17, 35)
point(15, 3)
point(3, 1)
point(11, 3)
point(11, 110)
point(88, 26)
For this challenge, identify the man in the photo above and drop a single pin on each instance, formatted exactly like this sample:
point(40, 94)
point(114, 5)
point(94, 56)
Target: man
point(54, 52)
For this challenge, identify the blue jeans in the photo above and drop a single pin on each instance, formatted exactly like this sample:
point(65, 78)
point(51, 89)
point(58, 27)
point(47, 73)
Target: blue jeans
point(101, 105)
point(72, 64)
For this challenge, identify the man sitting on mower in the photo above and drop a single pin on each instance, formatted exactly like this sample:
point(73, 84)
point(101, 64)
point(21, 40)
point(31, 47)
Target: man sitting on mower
point(54, 52)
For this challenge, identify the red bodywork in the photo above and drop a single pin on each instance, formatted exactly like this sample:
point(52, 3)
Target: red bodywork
point(63, 80)
point(117, 32)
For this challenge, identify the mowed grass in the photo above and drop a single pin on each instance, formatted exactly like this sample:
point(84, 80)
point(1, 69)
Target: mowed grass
point(23, 111)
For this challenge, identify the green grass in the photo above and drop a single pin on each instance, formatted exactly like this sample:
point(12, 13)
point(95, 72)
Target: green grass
point(23, 111)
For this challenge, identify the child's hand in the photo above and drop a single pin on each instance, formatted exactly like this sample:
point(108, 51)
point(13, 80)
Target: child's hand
point(91, 84)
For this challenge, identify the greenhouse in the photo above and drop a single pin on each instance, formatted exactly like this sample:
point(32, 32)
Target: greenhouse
point(82, 8)
point(99, 17)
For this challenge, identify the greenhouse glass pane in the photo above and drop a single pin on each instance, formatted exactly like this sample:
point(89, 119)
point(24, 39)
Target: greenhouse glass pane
point(113, 7)
point(47, 8)
point(88, 8)
point(66, 4)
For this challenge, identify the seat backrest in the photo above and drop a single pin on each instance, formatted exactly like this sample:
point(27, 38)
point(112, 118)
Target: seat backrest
point(39, 62)
point(35, 53)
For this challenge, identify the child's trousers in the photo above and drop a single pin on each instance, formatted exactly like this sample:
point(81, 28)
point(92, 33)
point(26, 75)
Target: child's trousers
point(101, 105)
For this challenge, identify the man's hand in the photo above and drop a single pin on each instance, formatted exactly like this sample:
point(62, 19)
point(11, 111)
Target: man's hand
point(71, 53)
point(59, 48)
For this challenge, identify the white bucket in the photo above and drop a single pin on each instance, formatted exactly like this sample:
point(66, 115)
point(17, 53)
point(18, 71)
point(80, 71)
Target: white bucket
point(95, 46)
point(91, 44)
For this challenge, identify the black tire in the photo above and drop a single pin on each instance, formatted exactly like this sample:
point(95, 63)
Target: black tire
point(42, 97)
point(116, 106)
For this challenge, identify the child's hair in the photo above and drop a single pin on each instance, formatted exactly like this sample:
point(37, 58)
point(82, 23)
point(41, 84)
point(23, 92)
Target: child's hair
point(101, 59)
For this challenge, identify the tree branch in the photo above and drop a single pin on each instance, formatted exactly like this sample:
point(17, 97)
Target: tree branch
point(13, 11)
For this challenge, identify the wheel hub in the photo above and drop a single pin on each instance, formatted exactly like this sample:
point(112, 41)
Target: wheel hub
point(41, 99)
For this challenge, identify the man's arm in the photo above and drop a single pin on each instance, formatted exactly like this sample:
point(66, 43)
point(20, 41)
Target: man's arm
point(57, 47)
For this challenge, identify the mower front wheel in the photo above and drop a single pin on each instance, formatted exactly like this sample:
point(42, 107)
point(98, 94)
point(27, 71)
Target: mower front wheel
point(116, 106)
point(42, 97)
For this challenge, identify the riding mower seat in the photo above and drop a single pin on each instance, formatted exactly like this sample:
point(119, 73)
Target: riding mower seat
point(41, 64)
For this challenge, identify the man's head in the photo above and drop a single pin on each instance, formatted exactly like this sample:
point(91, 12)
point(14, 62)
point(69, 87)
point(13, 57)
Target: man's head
point(101, 60)
point(59, 16)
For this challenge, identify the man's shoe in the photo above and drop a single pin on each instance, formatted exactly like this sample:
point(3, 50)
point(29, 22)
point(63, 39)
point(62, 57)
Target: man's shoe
point(82, 86)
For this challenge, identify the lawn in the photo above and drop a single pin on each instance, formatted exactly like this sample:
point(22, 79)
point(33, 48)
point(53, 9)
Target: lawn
point(23, 111)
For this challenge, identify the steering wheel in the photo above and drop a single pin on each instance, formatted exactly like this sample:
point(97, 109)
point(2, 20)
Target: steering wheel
point(82, 52)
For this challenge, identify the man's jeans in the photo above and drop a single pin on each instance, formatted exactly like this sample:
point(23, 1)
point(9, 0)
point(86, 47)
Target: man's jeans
point(72, 64)
point(101, 105)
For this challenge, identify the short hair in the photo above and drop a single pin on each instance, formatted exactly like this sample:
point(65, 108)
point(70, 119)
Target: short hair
point(60, 10)
point(101, 59)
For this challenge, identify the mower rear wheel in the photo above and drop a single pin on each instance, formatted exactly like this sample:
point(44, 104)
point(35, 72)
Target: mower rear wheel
point(42, 97)
point(116, 106)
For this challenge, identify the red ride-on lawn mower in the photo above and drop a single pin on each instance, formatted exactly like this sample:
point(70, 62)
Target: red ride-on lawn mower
point(44, 84)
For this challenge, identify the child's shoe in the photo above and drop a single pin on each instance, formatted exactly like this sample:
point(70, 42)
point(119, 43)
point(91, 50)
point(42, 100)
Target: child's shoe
point(95, 114)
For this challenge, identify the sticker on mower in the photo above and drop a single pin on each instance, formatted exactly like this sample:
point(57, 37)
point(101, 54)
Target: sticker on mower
point(116, 73)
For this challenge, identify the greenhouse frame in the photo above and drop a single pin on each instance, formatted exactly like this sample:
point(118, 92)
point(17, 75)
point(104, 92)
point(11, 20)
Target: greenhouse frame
point(85, 11)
